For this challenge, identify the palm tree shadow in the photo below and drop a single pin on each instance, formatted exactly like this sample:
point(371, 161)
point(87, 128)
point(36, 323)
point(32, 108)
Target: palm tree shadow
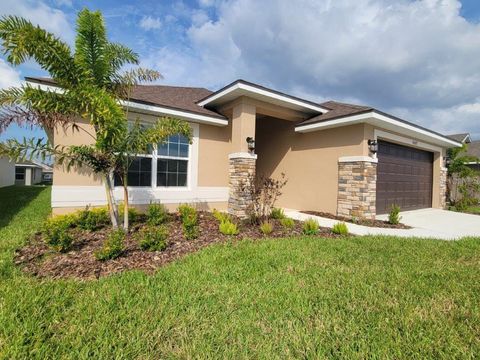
point(15, 198)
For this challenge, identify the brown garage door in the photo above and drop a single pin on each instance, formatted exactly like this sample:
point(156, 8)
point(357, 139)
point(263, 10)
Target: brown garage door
point(404, 177)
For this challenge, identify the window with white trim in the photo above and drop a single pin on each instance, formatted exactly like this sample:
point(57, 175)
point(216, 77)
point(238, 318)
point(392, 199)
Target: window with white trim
point(163, 166)
point(19, 173)
point(172, 162)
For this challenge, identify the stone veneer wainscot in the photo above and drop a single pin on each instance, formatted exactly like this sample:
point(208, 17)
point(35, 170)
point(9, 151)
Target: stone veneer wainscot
point(241, 168)
point(357, 184)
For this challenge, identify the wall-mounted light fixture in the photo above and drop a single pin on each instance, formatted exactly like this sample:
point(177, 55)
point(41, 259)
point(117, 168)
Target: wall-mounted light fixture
point(373, 146)
point(251, 144)
point(447, 160)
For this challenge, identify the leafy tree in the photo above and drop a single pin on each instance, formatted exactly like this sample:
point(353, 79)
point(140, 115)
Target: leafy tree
point(463, 182)
point(91, 82)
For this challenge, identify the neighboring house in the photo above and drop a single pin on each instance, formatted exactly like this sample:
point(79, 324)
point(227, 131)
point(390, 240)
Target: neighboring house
point(328, 152)
point(47, 173)
point(473, 148)
point(7, 172)
point(28, 173)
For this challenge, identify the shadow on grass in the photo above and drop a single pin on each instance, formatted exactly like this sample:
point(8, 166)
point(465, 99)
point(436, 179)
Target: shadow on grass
point(15, 198)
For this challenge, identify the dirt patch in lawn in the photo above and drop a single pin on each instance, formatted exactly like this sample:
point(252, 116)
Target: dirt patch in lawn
point(37, 259)
point(359, 221)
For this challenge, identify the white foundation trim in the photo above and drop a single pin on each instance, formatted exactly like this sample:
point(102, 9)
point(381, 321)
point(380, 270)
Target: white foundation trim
point(150, 109)
point(81, 196)
point(242, 155)
point(345, 159)
point(380, 120)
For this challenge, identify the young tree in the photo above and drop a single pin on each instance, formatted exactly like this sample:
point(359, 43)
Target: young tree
point(90, 84)
point(463, 183)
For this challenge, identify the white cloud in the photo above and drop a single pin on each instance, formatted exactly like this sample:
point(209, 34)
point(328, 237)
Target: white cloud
point(417, 58)
point(66, 3)
point(8, 75)
point(150, 23)
point(39, 13)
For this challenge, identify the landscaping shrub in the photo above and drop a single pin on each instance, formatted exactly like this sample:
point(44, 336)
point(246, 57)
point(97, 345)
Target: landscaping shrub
point(221, 216)
point(157, 214)
point(287, 223)
point(112, 247)
point(93, 219)
point(189, 217)
point(56, 232)
point(340, 228)
point(228, 228)
point(262, 192)
point(266, 227)
point(153, 238)
point(133, 214)
point(310, 227)
point(277, 213)
point(394, 216)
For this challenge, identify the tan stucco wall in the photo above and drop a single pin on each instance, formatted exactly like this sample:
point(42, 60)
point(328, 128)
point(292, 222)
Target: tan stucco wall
point(213, 148)
point(76, 176)
point(7, 172)
point(309, 161)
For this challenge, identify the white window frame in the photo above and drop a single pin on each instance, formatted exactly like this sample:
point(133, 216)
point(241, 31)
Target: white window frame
point(192, 166)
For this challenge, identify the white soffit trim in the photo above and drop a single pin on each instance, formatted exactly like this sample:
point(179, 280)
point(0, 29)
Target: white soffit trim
point(151, 109)
point(242, 89)
point(384, 122)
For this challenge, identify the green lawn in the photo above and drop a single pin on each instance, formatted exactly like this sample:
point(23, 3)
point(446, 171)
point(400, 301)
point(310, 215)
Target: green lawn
point(291, 298)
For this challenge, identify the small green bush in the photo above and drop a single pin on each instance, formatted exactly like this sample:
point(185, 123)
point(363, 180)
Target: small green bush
point(287, 223)
point(228, 228)
point(189, 217)
point(221, 216)
point(112, 247)
point(153, 238)
point(266, 227)
point(310, 226)
point(277, 213)
point(157, 214)
point(394, 215)
point(56, 232)
point(93, 219)
point(340, 228)
point(133, 214)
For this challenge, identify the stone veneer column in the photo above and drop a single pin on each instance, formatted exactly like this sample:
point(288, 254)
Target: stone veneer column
point(443, 187)
point(357, 185)
point(241, 168)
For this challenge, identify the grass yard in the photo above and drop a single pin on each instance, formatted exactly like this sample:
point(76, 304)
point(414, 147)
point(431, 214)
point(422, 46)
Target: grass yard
point(302, 297)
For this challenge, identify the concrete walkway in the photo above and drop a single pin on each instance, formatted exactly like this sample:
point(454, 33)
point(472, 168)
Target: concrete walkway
point(426, 223)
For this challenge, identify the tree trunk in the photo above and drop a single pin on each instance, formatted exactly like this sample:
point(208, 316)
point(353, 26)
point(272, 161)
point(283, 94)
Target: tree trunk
point(111, 204)
point(125, 203)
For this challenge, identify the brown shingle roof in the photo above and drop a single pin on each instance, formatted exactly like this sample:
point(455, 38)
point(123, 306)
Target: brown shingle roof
point(473, 148)
point(337, 110)
point(174, 97)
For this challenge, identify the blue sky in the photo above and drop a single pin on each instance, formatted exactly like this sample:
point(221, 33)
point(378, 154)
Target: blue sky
point(415, 59)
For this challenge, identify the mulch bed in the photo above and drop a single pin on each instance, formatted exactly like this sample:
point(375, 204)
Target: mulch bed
point(37, 259)
point(364, 222)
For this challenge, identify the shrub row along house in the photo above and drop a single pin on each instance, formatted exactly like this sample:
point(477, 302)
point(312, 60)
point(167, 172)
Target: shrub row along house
point(339, 158)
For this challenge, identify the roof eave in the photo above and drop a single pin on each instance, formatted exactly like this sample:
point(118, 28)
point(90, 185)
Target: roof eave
point(380, 119)
point(243, 88)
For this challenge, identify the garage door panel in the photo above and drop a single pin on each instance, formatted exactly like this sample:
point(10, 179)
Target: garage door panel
point(404, 177)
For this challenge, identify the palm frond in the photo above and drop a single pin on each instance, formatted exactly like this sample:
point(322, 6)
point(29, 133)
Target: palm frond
point(123, 84)
point(21, 40)
point(119, 55)
point(91, 45)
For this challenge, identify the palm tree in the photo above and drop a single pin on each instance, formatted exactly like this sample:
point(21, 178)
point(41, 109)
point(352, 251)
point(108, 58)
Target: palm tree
point(91, 83)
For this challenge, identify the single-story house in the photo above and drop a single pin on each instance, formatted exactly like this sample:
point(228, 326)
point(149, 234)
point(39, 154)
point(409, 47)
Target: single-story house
point(473, 148)
point(28, 172)
point(47, 173)
point(339, 158)
point(7, 172)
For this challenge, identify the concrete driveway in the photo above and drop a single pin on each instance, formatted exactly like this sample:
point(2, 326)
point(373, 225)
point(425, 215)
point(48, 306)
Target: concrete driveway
point(425, 223)
point(441, 224)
